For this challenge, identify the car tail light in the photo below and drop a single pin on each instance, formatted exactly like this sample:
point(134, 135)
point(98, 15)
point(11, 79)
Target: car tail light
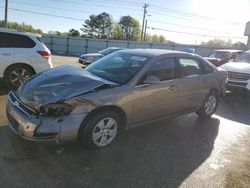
point(45, 54)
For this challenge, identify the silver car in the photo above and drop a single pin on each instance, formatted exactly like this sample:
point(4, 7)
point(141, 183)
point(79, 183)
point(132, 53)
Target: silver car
point(122, 90)
point(87, 59)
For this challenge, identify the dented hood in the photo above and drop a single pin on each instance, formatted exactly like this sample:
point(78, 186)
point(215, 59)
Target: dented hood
point(58, 84)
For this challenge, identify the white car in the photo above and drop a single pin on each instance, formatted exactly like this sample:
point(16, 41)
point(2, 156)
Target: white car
point(238, 73)
point(22, 55)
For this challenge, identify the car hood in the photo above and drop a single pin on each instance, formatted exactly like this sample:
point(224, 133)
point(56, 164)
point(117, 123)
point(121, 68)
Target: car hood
point(240, 67)
point(58, 84)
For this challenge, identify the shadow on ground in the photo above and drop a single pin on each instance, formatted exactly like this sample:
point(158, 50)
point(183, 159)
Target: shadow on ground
point(3, 89)
point(158, 155)
point(235, 107)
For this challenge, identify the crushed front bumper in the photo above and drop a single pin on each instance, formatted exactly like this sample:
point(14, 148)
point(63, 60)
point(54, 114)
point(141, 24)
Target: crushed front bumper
point(24, 122)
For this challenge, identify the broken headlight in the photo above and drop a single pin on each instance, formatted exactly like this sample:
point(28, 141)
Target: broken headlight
point(56, 109)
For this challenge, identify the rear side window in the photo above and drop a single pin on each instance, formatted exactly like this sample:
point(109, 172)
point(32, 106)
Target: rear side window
point(164, 69)
point(15, 41)
point(189, 67)
point(5, 40)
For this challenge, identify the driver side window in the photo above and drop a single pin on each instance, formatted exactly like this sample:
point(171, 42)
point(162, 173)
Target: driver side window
point(164, 70)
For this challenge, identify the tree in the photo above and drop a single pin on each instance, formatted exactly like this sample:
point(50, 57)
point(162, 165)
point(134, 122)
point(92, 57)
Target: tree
point(240, 45)
point(22, 27)
point(104, 23)
point(89, 27)
point(99, 26)
point(74, 33)
point(130, 28)
point(58, 33)
point(117, 32)
point(224, 43)
point(162, 39)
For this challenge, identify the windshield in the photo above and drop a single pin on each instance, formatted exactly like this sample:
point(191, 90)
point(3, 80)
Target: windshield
point(220, 55)
point(118, 67)
point(244, 57)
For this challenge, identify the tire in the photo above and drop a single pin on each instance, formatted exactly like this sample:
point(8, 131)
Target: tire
point(17, 74)
point(92, 133)
point(209, 105)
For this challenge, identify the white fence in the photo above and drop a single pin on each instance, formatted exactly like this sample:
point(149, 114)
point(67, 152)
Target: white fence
point(76, 46)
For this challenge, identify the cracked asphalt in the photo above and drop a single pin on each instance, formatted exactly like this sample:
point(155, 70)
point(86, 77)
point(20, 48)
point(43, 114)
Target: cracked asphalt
point(180, 152)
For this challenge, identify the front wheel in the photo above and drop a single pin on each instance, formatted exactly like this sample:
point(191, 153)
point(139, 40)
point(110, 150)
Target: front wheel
point(17, 74)
point(100, 130)
point(209, 106)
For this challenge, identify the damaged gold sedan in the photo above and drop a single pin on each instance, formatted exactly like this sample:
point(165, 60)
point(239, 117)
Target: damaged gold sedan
point(122, 90)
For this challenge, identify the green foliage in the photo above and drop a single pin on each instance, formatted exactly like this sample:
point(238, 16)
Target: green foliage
point(98, 26)
point(58, 33)
point(22, 27)
point(117, 32)
point(130, 28)
point(156, 38)
point(224, 43)
point(74, 33)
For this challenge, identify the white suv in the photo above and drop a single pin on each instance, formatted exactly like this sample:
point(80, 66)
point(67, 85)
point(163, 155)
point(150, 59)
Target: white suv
point(22, 55)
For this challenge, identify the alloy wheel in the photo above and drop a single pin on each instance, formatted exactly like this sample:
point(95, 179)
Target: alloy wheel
point(105, 132)
point(210, 104)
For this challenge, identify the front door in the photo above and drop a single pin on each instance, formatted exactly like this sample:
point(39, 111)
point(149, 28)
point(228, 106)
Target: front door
point(155, 101)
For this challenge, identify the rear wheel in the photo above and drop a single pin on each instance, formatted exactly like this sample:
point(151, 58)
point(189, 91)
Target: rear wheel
point(100, 130)
point(209, 106)
point(17, 74)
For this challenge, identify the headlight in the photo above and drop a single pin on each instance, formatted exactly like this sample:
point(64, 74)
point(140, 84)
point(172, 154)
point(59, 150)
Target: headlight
point(56, 109)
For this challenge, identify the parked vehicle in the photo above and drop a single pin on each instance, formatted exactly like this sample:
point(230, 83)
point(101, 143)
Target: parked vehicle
point(22, 55)
point(238, 73)
point(122, 90)
point(219, 57)
point(87, 59)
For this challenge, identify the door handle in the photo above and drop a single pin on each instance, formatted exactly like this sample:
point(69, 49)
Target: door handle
point(172, 88)
point(6, 54)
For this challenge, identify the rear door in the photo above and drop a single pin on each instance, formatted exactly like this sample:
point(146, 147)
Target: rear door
point(6, 52)
point(159, 100)
point(194, 83)
point(23, 48)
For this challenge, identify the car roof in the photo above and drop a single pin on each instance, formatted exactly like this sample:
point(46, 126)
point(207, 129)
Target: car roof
point(18, 32)
point(228, 50)
point(154, 52)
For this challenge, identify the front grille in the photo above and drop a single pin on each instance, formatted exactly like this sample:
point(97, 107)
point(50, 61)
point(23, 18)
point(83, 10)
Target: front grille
point(23, 108)
point(12, 121)
point(237, 83)
point(238, 76)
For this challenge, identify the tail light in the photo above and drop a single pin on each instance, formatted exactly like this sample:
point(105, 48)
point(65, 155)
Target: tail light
point(45, 54)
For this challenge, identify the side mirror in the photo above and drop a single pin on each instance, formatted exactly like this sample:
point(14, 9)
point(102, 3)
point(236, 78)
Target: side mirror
point(152, 80)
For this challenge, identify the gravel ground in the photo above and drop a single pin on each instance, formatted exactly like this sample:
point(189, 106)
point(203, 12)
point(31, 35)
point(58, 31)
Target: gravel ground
point(179, 152)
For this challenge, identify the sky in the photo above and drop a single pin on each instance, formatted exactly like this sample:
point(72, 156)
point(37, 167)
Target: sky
point(182, 21)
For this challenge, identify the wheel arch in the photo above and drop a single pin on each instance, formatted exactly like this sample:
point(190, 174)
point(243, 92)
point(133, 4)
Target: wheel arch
point(113, 108)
